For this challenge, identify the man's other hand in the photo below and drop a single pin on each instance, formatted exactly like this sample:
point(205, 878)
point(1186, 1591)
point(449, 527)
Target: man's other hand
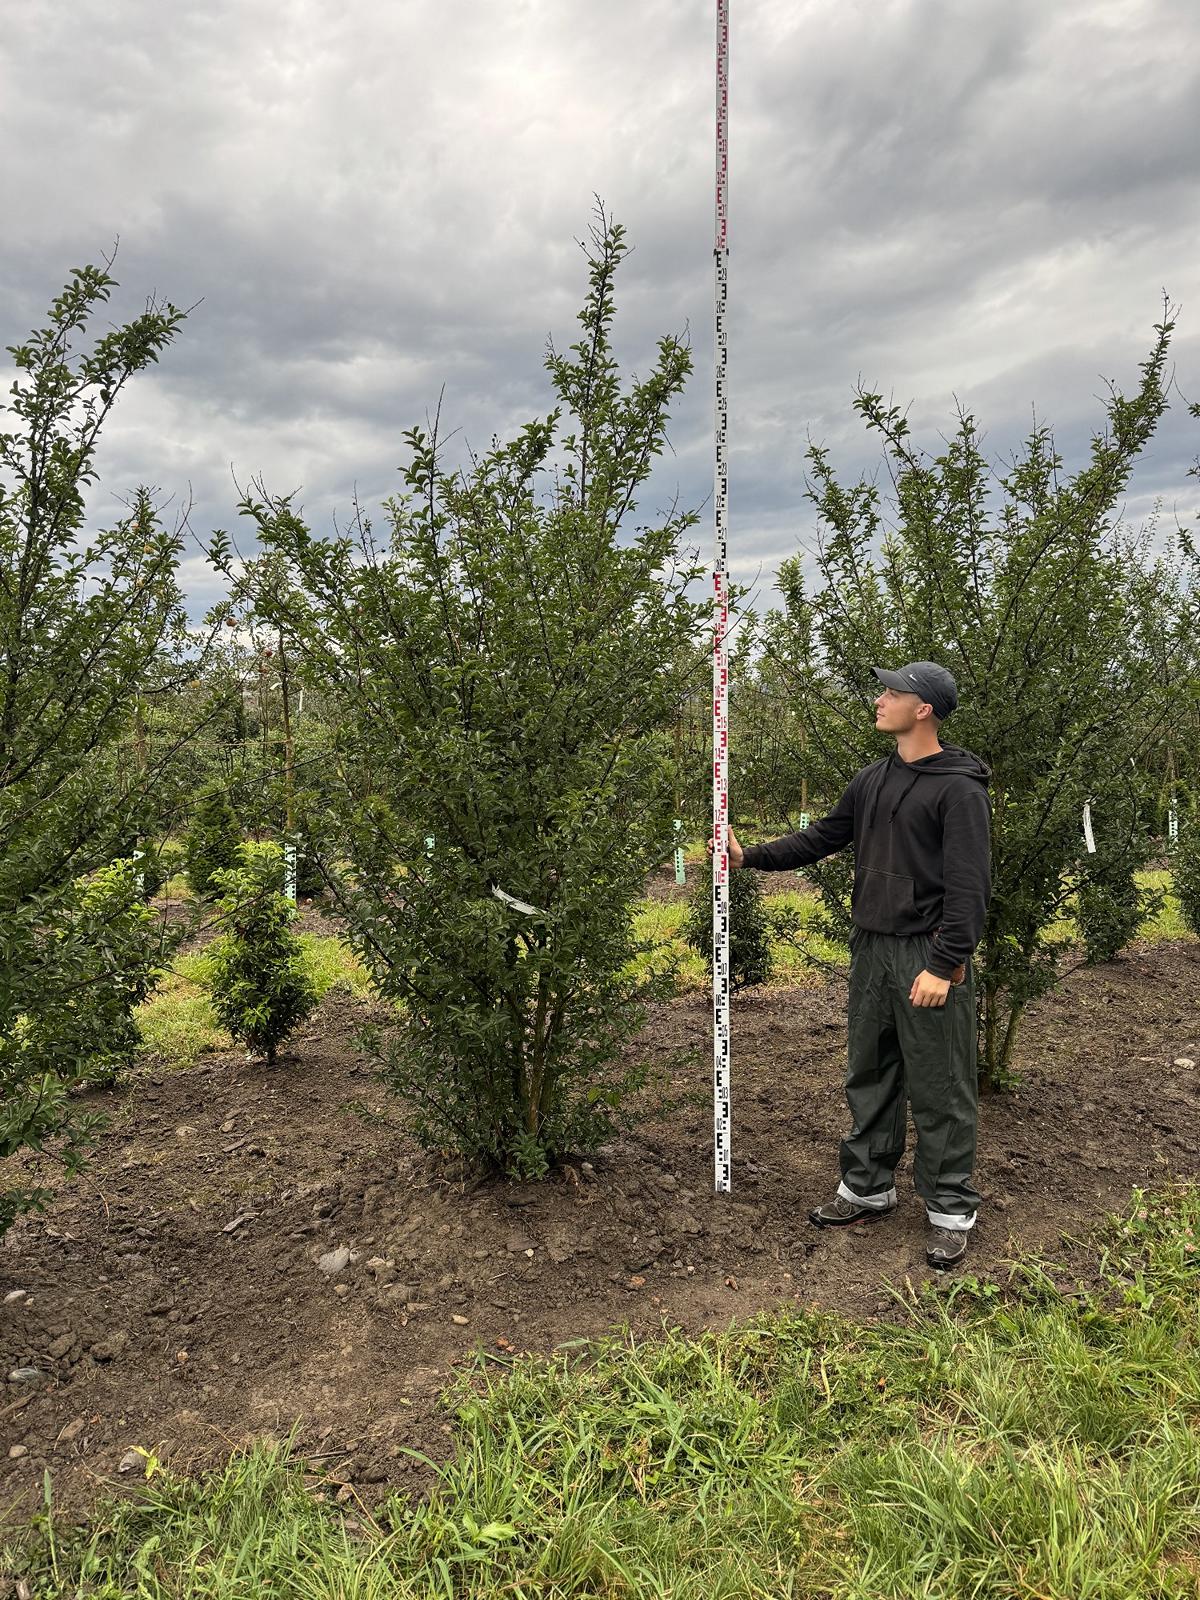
point(929, 990)
point(735, 850)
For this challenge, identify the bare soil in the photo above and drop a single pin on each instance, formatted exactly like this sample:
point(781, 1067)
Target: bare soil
point(174, 1296)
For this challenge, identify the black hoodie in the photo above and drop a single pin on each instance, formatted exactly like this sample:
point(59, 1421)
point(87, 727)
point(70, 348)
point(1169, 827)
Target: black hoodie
point(922, 851)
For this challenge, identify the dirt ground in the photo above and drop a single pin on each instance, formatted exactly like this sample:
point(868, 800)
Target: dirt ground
point(249, 1250)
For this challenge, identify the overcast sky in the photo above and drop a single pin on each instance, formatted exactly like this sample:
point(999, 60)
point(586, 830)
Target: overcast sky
point(376, 198)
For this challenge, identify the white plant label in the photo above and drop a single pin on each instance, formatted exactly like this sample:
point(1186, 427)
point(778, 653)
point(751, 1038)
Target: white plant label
point(517, 905)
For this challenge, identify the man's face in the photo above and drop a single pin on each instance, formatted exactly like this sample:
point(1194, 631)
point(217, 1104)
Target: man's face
point(897, 713)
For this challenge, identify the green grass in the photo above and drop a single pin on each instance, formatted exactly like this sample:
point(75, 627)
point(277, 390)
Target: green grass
point(177, 1022)
point(1020, 1439)
point(331, 964)
point(1168, 924)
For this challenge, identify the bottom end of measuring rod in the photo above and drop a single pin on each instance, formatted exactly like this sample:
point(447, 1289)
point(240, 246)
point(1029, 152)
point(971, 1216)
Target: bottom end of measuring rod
point(722, 1116)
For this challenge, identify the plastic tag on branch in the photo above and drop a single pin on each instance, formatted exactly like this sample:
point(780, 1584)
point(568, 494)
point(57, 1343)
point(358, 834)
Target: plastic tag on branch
point(805, 819)
point(1089, 837)
point(517, 905)
point(680, 874)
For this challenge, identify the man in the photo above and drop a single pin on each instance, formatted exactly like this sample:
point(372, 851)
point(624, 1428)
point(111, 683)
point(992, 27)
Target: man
point(920, 825)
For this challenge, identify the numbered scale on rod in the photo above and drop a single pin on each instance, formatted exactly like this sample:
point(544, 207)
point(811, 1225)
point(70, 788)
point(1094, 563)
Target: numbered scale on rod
point(722, 1132)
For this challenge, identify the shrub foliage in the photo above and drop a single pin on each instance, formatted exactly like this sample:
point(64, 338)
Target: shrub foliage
point(89, 628)
point(1025, 584)
point(508, 663)
point(260, 991)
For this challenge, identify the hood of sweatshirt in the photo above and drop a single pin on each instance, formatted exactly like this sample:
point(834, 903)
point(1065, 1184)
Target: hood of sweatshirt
point(949, 762)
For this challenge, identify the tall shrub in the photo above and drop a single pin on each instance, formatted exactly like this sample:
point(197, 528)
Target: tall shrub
point(89, 625)
point(1026, 586)
point(509, 660)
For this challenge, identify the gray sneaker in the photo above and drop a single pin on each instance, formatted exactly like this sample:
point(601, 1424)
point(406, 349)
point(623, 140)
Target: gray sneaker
point(945, 1247)
point(839, 1211)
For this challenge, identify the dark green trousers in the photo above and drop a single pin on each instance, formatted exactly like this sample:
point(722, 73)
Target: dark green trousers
point(901, 1055)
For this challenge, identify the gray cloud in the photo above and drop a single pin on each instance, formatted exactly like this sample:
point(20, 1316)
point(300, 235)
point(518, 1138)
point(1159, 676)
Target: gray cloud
point(371, 201)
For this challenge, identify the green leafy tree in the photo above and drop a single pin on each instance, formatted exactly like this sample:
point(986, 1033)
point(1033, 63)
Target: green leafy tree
point(89, 627)
point(750, 958)
point(260, 990)
point(212, 840)
point(1026, 586)
point(508, 664)
point(93, 1035)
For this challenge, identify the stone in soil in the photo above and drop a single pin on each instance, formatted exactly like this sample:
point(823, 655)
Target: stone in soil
point(109, 1349)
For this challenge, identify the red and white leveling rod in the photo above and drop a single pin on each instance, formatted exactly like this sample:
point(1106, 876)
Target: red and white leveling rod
point(721, 1111)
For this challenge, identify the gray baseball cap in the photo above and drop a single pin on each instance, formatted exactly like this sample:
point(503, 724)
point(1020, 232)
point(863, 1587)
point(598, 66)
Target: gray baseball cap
point(934, 684)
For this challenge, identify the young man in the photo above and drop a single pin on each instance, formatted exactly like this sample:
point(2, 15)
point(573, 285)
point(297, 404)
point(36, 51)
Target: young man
point(920, 825)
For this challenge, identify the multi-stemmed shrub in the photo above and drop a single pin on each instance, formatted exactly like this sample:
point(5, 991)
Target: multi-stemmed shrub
point(1024, 583)
point(504, 669)
point(90, 624)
